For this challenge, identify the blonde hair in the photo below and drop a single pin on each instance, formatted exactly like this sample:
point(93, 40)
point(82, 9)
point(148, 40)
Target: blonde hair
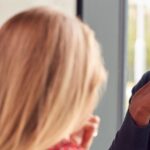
point(50, 71)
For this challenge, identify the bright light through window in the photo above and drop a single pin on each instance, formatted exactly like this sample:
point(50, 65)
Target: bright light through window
point(138, 42)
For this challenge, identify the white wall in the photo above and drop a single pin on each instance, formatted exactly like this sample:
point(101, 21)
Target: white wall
point(10, 7)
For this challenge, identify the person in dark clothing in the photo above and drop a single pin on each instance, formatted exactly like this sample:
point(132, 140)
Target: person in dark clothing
point(134, 133)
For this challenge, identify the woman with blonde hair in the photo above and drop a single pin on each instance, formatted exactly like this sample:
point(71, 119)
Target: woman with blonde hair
point(50, 73)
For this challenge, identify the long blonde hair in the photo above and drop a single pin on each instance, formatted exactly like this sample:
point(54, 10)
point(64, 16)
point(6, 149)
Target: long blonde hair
point(50, 71)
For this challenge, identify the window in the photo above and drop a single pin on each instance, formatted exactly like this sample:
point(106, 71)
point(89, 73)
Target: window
point(138, 42)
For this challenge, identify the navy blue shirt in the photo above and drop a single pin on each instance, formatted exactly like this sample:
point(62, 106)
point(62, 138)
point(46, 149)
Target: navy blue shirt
point(131, 136)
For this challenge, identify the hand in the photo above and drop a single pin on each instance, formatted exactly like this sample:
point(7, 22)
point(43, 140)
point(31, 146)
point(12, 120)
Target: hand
point(85, 136)
point(139, 107)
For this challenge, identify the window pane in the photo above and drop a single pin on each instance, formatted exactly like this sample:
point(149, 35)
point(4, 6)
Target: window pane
point(138, 42)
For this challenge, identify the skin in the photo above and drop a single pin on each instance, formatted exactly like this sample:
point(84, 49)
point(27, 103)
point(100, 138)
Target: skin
point(139, 107)
point(84, 137)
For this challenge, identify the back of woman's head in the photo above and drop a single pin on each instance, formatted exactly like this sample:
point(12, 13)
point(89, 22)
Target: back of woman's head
point(50, 69)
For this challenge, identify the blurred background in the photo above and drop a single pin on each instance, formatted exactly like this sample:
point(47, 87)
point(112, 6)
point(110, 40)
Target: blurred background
point(123, 28)
point(138, 55)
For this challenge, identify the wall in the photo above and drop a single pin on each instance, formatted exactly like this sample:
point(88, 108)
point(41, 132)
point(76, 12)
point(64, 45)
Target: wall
point(10, 7)
point(108, 18)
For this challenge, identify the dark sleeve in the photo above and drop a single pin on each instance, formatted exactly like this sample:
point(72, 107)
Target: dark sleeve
point(130, 136)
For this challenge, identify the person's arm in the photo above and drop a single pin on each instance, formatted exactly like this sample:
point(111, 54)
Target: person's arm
point(134, 133)
point(131, 136)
